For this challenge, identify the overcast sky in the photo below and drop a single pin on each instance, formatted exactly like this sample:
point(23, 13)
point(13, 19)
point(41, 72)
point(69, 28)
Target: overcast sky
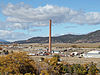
point(23, 19)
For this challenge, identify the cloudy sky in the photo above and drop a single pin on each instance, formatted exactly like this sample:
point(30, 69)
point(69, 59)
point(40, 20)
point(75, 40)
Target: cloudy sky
point(23, 19)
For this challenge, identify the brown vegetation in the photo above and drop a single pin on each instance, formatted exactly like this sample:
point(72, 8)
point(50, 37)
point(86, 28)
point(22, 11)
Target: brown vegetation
point(20, 63)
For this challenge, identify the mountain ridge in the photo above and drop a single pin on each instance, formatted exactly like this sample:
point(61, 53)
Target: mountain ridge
point(91, 37)
point(1, 40)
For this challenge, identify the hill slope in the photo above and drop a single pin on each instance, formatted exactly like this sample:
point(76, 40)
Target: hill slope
point(92, 37)
point(4, 42)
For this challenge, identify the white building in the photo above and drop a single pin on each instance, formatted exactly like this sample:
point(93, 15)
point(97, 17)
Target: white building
point(31, 54)
point(56, 52)
point(92, 54)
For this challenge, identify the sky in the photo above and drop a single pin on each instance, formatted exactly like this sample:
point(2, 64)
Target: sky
point(23, 19)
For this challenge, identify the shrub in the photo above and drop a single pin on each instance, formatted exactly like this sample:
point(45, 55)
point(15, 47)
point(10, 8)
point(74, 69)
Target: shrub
point(0, 48)
point(74, 46)
point(92, 69)
point(17, 63)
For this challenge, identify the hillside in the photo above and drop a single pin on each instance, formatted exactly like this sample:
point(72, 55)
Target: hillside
point(4, 41)
point(92, 37)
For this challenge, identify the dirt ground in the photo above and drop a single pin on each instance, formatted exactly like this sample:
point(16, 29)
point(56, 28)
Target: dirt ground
point(76, 60)
point(73, 60)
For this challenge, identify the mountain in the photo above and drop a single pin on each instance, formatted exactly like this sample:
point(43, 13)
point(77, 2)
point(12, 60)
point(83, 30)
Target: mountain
point(3, 40)
point(92, 37)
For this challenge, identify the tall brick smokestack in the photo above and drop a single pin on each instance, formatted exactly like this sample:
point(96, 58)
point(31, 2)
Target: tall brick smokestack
point(50, 36)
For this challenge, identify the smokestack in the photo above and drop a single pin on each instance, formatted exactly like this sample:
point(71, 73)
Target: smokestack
point(49, 35)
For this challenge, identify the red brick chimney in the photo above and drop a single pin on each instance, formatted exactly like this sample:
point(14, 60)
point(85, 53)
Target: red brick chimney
point(50, 36)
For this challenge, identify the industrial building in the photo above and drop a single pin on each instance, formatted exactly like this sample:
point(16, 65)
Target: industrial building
point(92, 54)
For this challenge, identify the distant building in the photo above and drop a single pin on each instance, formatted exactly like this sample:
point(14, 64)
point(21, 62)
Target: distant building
point(92, 54)
point(31, 54)
point(56, 52)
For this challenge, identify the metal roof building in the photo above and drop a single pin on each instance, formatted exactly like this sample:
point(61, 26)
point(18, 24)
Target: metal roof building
point(92, 54)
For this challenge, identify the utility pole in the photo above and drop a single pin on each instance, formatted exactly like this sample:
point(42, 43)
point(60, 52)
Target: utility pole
point(49, 36)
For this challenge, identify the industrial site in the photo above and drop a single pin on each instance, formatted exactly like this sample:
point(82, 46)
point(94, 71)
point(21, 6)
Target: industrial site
point(72, 53)
point(49, 37)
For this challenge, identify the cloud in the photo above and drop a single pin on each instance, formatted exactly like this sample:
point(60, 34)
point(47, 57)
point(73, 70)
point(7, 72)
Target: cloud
point(2, 25)
point(24, 17)
point(8, 31)
point(22, 13)
point(12, 36)
point(33, 30)
point(70, 26)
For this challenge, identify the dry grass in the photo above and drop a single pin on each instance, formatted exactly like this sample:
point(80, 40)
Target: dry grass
point(81, 45)
point(73, 60)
